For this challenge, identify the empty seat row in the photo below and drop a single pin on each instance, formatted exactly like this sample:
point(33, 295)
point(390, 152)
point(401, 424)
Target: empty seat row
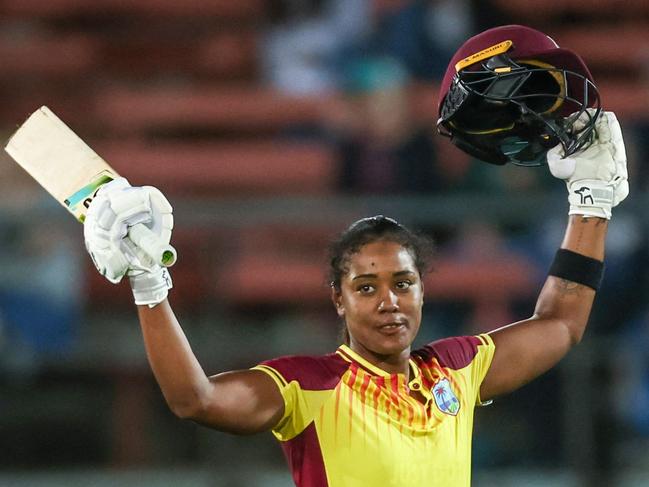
point(67, 8)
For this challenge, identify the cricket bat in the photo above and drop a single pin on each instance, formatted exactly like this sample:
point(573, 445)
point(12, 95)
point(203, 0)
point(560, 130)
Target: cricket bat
point(72, 173)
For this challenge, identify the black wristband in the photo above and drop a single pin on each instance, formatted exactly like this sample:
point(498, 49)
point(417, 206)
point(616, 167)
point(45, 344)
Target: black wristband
point(577, 268)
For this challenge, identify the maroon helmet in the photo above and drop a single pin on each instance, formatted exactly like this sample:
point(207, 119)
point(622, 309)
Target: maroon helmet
point(511, 93)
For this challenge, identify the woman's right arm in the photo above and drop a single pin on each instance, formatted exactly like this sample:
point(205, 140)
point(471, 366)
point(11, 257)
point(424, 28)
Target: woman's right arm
point(241, 402)
point(246, 401)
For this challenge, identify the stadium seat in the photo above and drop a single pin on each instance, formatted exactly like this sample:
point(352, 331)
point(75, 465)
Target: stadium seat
point(606, 47)
point(526, 10)
point(48, 56)
point(191, 276)
point(219, 107)
point(227, 54)
point(193, 8)
point(228, 168)
point(286, 265)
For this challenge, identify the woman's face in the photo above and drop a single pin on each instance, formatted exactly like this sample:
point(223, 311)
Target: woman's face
point(380, 299)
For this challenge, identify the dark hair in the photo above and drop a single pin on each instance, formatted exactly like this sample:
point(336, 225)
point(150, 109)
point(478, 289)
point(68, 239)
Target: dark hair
point(373, 229)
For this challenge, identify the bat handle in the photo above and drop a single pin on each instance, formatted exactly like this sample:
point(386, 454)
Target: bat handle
point(161, 253)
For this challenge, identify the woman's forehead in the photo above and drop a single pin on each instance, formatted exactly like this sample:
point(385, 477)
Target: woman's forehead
point(381, 256)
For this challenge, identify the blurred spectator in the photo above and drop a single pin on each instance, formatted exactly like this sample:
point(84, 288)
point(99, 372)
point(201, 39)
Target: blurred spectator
point(630, 390)
point(422, 35)
point(299, 48)
point(41, 282)
point(383, 149)
point(310, 43)
point(489, 13)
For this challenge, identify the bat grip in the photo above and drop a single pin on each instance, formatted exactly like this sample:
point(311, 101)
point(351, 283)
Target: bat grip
point(161, 253)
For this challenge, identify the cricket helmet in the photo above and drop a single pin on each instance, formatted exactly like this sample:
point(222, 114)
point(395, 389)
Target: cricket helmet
point(511, 93)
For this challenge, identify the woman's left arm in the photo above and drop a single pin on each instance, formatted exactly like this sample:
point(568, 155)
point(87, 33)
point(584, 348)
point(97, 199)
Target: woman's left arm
point(597, 181)
point(528, 348)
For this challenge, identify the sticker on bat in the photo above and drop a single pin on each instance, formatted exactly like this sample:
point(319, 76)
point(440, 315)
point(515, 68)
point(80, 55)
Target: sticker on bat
point(79, 202)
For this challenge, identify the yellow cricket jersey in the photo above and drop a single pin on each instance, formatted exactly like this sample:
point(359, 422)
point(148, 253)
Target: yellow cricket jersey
point(347, 423)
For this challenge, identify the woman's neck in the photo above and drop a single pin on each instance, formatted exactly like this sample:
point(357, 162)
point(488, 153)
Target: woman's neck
point(398, 363)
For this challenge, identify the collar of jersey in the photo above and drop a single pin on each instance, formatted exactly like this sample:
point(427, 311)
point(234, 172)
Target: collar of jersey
point(350, 356)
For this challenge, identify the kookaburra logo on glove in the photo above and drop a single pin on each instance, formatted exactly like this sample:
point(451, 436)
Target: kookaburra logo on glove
point(584, 194)
point(594, 196)
point(166, 277)
point(596, 177)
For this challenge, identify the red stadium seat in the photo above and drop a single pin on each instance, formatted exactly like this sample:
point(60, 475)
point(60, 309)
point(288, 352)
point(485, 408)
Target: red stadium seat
point(526, 10)
point(249, 167)
point(47, 56)
point(228, 54)
point(191, 276)
point(227, 107)
point(509, 278)
point(65, 8)
point(608, 47)
point(628, 99)
point(286, 265)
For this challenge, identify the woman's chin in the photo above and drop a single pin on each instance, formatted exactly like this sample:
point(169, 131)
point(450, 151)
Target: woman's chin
point(390, 345)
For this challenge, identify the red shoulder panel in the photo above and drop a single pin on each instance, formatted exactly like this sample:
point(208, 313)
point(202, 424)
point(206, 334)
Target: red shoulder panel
point(315, 373)
point(454, 353)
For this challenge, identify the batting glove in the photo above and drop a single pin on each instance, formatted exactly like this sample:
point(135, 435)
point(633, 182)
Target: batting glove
point(116, 207)
point(596, 177)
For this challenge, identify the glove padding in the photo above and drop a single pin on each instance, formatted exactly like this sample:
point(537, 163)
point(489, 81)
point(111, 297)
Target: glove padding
point(596, 177)
point(116, 207)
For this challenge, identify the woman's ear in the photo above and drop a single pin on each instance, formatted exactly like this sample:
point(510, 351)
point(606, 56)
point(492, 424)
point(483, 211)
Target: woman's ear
point(337, 299)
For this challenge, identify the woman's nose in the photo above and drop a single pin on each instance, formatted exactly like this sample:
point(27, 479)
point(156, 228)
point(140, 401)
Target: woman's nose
point(389, 301)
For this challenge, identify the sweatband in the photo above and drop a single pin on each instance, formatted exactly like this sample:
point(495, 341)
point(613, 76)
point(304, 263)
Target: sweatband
point(577, 268)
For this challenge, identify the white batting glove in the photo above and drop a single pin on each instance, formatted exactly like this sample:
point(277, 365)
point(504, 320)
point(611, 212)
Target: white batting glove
point(596, 177)
point(116, 207)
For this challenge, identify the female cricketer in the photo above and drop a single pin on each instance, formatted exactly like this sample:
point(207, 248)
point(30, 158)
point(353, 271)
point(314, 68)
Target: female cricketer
point(374, 411)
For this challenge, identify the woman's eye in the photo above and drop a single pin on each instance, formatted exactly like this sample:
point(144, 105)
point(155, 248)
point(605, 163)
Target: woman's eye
point(366, 288)
point(404, 284)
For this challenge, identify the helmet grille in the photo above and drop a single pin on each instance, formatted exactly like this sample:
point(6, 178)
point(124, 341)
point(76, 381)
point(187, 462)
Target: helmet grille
point(514, 111)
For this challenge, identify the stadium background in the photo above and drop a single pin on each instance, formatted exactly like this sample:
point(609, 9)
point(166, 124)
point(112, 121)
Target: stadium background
point(271, 125)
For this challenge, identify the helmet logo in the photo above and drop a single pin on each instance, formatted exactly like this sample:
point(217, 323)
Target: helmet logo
point(494, 50)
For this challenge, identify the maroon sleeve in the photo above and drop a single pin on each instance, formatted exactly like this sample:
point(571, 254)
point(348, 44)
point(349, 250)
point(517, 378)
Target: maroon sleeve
point(454, 353)
point(313, 373)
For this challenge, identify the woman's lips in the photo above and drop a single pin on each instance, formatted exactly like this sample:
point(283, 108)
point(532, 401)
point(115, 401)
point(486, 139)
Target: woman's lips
point(392, 328)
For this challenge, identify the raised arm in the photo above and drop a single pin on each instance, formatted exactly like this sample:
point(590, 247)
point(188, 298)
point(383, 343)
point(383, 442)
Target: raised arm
point(597, 181)
point(528, 348)
point(242, 402)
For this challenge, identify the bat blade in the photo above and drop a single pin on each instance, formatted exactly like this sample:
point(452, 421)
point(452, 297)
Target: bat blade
point(59, 161)
point(62, 163)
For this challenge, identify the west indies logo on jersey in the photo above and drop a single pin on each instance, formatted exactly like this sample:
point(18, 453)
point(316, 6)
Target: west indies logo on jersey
point(445, 398)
